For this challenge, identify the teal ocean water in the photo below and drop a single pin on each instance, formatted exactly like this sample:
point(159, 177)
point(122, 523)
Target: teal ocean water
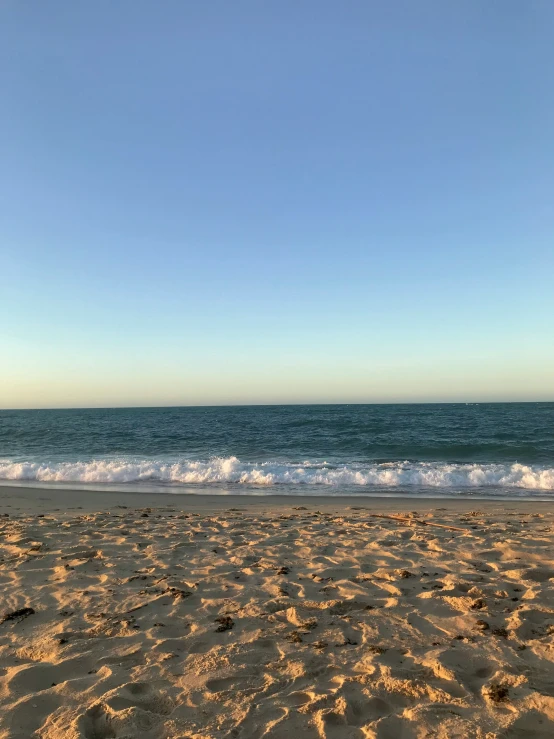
point(483, 449)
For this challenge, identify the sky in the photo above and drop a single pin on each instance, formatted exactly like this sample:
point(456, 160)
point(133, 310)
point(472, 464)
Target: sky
point(275, 202)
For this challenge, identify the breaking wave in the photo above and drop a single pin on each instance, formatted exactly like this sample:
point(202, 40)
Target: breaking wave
point(230, 470)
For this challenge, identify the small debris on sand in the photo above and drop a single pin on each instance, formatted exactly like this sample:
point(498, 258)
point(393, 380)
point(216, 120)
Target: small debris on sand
point(481, 625)
point(226, 623)
point(497, 693)
point(18, 615)
point(294, 637)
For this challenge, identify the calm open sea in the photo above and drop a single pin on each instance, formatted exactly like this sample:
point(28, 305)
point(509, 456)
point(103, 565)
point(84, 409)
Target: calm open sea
point(484, 449)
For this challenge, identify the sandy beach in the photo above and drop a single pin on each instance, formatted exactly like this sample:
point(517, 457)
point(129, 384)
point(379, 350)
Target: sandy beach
point(207, 617)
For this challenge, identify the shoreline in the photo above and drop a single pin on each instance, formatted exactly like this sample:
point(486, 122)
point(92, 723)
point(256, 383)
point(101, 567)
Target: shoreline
point(28, 498)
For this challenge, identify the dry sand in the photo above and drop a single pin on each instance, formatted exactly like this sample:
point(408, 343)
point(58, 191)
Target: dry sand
point(210, 617)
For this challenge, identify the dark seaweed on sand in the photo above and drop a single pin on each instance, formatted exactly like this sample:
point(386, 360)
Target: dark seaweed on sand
point(20, 614)
point(225, 623)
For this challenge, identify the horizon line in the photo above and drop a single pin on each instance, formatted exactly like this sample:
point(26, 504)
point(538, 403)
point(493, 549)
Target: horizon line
point(271, 405)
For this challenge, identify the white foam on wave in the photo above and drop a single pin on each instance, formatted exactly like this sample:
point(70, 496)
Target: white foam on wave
point(232, 470)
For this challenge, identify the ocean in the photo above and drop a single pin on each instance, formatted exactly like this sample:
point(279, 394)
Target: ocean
point(473, 449)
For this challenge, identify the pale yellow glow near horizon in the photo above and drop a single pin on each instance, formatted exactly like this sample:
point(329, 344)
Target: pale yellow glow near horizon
point(133, 386)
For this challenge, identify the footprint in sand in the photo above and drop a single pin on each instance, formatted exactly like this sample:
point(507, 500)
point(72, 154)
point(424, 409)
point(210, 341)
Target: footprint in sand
point(140, 695)
point(39, 677)
point(531, 725)
point(96, 723)
point(532, 623)
point(29, 714)
point(538, 574)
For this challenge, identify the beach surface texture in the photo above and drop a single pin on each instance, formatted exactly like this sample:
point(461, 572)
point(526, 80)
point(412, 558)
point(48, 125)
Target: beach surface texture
point(204, 617)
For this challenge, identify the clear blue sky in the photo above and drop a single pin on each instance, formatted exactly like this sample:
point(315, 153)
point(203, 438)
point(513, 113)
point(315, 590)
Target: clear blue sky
point(282, 201)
